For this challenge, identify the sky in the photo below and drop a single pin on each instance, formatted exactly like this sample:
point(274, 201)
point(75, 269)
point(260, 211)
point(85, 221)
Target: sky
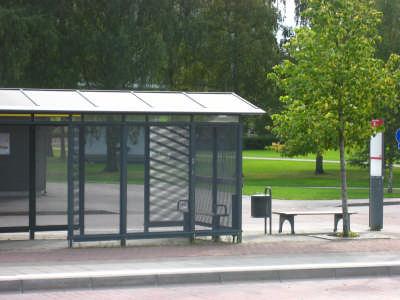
point(289, 15)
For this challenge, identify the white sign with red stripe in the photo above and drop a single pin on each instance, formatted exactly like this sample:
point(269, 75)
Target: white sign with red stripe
point(376, 156)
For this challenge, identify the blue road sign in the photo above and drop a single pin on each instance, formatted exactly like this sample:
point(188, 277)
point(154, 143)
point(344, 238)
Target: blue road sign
point(398, 138)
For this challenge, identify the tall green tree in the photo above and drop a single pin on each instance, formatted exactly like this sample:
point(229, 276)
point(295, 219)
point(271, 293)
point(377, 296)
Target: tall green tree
point(296, 137)
point(334, 76)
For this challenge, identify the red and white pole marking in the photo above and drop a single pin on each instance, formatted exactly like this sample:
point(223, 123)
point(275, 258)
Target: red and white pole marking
point(376, 149)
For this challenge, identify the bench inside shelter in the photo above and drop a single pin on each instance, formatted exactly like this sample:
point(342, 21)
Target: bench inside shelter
point(221, 210)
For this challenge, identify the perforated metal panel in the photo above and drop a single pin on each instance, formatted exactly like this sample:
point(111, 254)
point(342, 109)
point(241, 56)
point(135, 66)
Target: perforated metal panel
point(169, 173)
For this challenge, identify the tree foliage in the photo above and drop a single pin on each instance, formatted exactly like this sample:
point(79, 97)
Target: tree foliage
point(201, 45)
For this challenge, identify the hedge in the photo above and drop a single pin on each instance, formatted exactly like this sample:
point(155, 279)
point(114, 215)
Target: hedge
point(258, 142)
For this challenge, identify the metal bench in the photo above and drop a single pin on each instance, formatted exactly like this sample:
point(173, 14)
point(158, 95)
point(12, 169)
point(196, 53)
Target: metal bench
point(289, 216)
point(183, 206)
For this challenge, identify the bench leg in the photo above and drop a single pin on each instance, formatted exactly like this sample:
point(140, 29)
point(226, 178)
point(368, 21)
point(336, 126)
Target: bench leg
point(186, 222)
point(291, 221)
point(337, 218)
point(282, 219)
point(216, 222)
point(270, 224)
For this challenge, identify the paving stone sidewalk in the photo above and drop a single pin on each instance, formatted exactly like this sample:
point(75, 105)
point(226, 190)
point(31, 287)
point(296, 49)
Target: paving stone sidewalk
point(40, 261)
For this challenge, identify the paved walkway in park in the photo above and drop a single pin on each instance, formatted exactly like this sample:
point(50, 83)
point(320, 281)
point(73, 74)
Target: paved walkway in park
point(290, 159)
point(298, 159)
point(312, 253)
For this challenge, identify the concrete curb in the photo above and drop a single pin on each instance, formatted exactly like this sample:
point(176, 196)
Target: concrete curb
point(95, 280)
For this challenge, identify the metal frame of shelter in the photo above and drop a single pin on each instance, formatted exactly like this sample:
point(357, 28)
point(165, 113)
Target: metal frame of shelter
point(192, 164)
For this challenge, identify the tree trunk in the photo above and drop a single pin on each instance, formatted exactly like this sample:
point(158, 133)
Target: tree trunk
point(62, 144)
point(319, 164)
point(390, 179)
point(343, 177)
point(111, 160)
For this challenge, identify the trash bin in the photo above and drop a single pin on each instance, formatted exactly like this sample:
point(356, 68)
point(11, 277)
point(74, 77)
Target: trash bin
point(261, 207)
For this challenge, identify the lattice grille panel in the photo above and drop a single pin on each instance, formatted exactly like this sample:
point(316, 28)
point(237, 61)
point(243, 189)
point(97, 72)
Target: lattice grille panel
point(169, 171)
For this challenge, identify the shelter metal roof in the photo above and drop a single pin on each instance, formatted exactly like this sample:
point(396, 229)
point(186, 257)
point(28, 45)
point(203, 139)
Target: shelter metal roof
point(95, 101)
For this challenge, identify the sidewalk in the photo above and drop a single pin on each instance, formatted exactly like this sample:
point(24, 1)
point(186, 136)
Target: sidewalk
point(48, 264)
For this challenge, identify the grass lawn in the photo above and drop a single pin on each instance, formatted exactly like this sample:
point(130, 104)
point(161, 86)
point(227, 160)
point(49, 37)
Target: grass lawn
point(329, 155)
point(57, 172)
point(288, 179)
point(296, 180)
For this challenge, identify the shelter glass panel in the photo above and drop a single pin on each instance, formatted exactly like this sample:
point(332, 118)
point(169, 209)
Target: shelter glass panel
point(102, 179)
point(102, 118)
point(135, 118)
point(169, 118)
point(226, 174)
point(14, 174)
point(216, 118)
point(203, 177)
point(51, 118)
point(51, 175)
point(136, 173)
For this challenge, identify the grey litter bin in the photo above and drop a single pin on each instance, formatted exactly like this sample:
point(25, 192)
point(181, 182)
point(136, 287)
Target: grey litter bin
point(261, 207)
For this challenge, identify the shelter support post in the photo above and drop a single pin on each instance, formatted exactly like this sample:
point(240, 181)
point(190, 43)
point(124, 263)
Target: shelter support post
point(192, 199)
point(237, 201)
point(81, 180)
point(123, 183)
point(70, 185)
point(32, 181)
point(146, 177)
point(215, 218)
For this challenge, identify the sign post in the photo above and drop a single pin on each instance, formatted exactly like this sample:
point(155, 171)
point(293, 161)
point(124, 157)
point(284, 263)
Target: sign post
point(376, 178)
point(398, 138)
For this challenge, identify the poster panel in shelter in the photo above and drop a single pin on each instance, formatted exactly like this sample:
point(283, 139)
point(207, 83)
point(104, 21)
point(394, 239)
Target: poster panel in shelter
point(14, 176)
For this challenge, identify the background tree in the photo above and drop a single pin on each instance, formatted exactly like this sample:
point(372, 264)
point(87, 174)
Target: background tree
point(303, 131)
point(198, 45)
point(389, 44)
point(335, 76)
point(297, 139)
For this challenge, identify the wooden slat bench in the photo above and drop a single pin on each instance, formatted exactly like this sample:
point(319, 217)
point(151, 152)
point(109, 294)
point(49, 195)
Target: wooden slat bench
point(289, 216)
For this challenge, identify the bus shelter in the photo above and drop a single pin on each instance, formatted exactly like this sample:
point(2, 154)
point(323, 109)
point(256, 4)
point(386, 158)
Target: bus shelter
point(119, 165)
